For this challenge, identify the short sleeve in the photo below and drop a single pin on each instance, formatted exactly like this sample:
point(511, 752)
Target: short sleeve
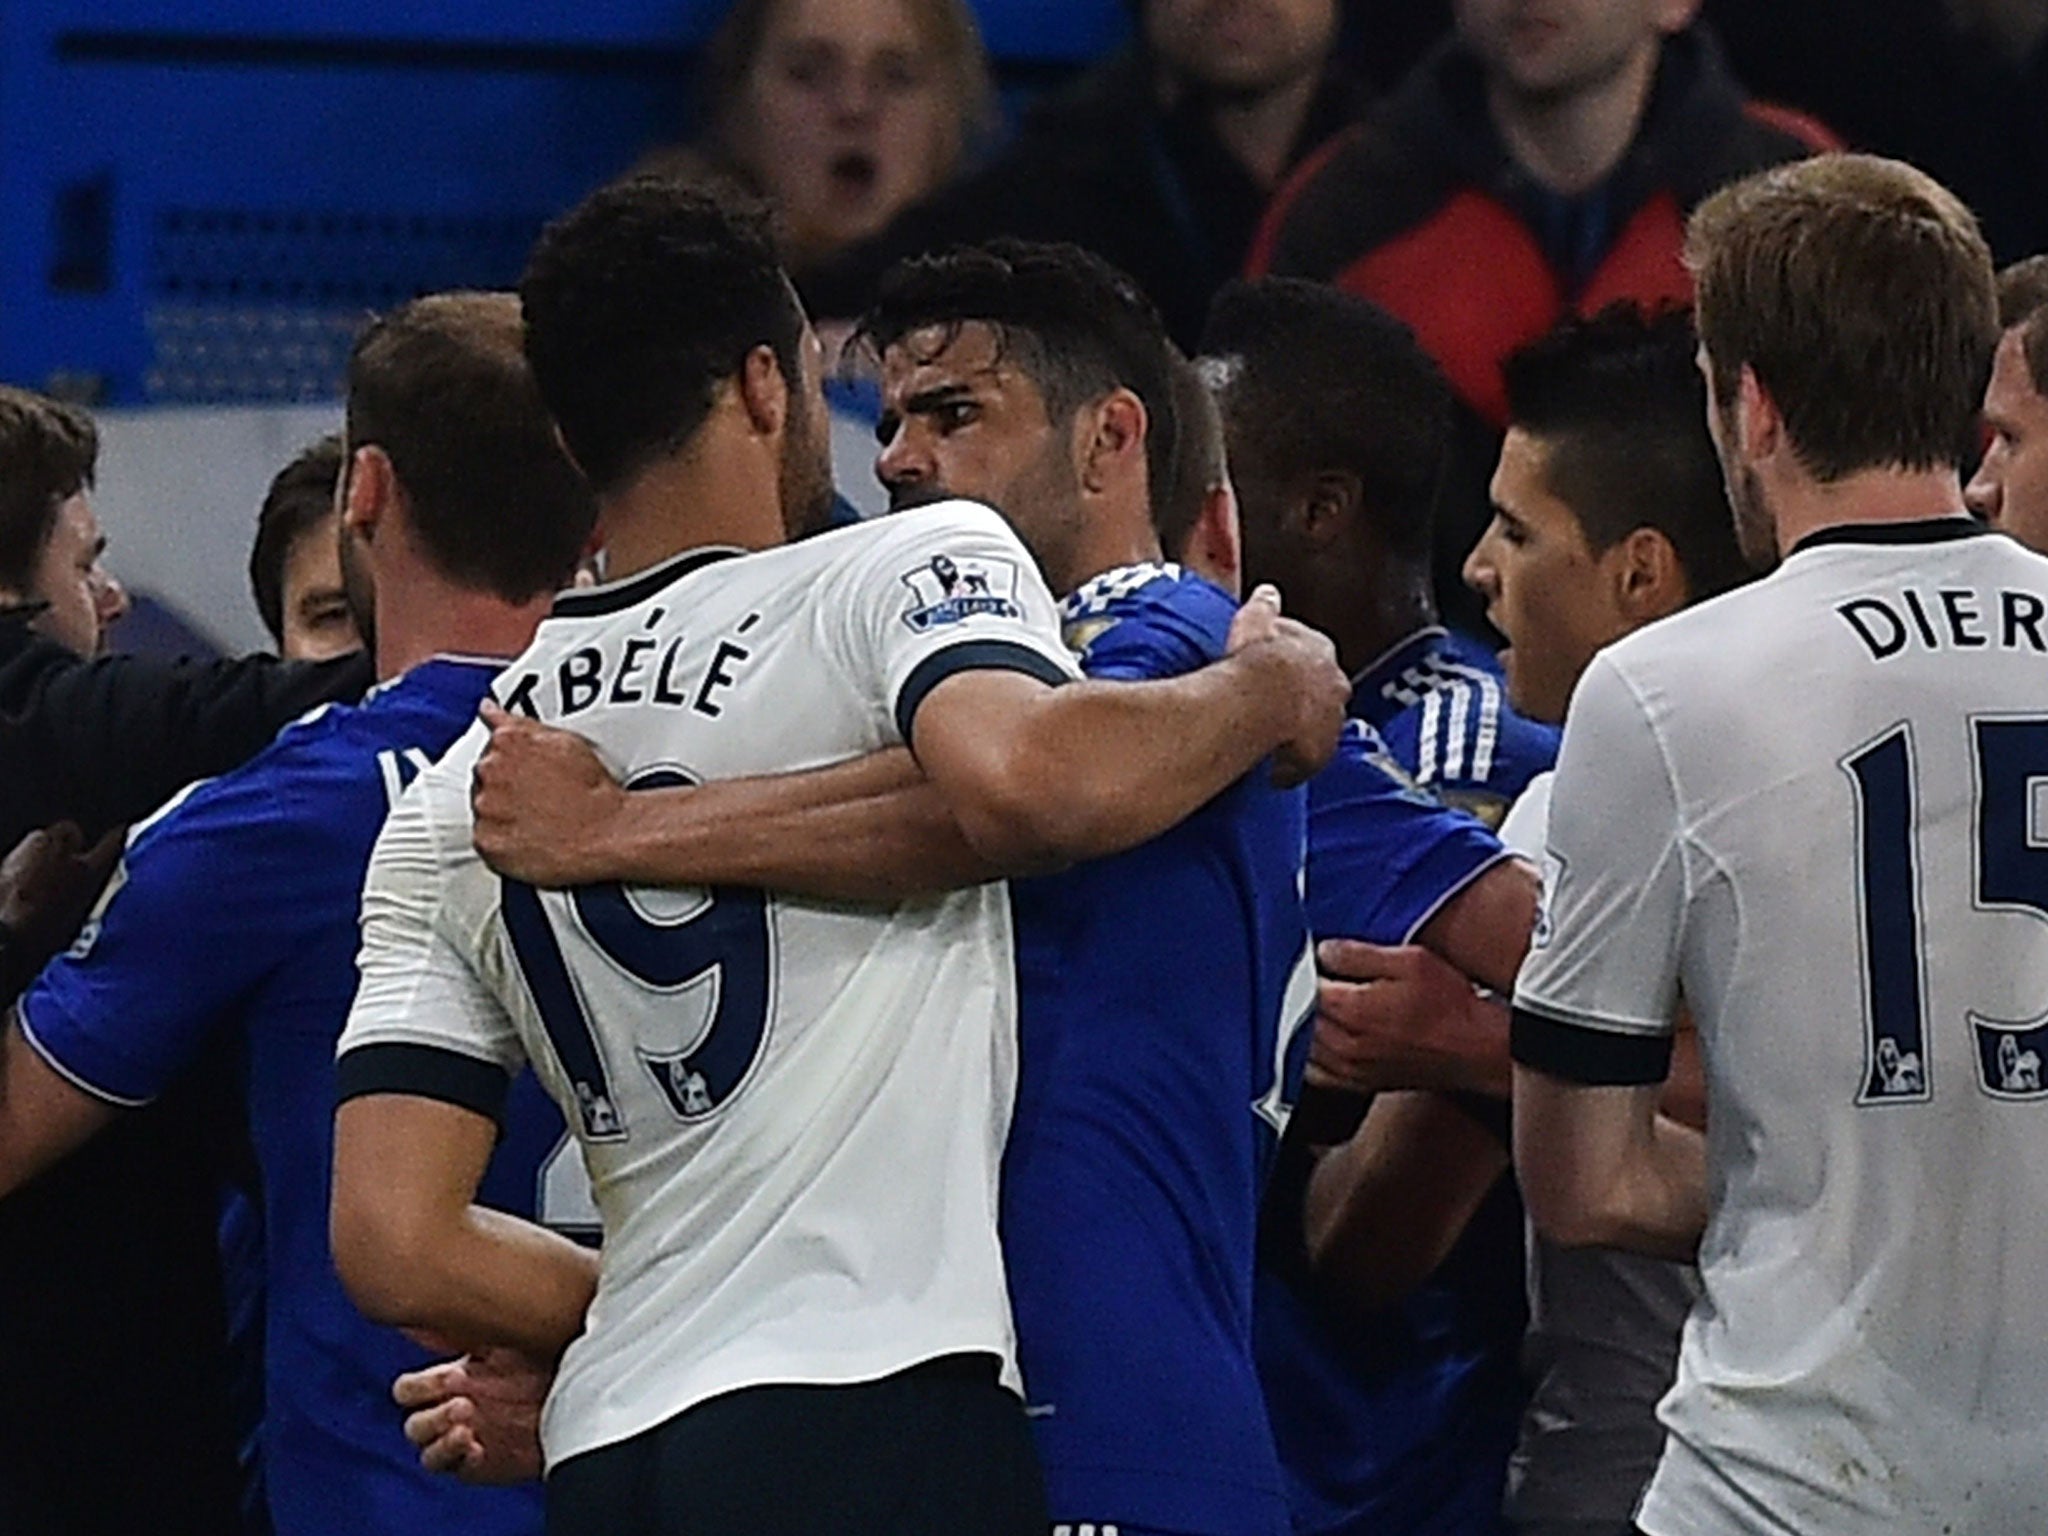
point(1384, 855)
point(941, 590)
point(424, 1022)
point(1594, 1000)
point(1167, 627)
point(209, 897)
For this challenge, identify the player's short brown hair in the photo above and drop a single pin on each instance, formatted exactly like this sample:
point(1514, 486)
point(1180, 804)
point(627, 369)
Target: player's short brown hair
point(48, 451)
point(1860, 293)
point(2023, 301)
point(442, 386)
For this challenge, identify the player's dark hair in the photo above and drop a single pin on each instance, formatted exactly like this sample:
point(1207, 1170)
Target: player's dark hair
point(48, 451)
point(1860, 294)
point(1200, 463)
point(441, 385)
point(640, 302)
point(1621, 410)
point(299, 499)
point(2023, 301)
point(1315, 379)
point(1072, 323)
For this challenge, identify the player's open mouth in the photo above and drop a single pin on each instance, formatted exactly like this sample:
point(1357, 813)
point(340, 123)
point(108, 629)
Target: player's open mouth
point(854, 173)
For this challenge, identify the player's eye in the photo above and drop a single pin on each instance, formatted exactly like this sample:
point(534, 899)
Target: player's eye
point(955, 414)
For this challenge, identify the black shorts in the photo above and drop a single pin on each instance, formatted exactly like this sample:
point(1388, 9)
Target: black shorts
point(938, 1450)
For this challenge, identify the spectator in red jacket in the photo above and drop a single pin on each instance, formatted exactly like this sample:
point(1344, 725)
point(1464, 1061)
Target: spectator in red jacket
point(1541, 162)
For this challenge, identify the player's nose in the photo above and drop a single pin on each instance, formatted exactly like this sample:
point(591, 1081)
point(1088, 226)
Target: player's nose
point(1984, 495)
point(902, 462)
point(1479, 572)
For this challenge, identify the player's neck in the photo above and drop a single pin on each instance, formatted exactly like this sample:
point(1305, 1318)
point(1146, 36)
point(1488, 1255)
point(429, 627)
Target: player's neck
point(716, 494)
point(1107, 544)
point(428, 617)
point(1368, 620)
point(1805, 506)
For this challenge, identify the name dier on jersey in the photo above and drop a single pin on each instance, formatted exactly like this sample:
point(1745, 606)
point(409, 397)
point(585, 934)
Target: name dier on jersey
point(1952, 618)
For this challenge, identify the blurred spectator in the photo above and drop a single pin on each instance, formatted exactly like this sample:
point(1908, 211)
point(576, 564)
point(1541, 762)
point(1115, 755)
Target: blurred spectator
point(1160, 159)
point(2010, 488)
point(842, 113)
point(1955, 86)
point(110, 1312)
point(295, 565)
point(1540, 162)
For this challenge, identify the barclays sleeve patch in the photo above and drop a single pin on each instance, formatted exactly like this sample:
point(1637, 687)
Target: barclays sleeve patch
point(949, 591)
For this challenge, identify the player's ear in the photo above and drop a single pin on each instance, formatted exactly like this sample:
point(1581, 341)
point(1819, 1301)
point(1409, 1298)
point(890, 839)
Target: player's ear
point(1757, 418)
point(1333, 501)
point(764, 392)
point(1215, 545)
point(1649, 577)
point(368, 488)
point(1117, 425)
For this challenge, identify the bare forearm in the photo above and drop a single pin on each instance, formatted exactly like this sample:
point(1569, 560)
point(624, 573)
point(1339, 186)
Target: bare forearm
point(487, 1279)
point(1094, 768)
point(1385, 1209)
point(894, 845)
point(1599, 1167)
point(1664, 1210)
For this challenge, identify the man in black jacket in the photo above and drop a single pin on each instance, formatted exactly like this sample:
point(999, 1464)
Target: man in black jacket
point(114, 1412)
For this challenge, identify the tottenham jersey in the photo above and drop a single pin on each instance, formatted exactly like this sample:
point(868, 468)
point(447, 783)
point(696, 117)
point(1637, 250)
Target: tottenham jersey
point(1834, 849)
point(792, 1112)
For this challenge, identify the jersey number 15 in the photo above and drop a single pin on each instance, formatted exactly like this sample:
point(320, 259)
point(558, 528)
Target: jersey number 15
point(2009, 873)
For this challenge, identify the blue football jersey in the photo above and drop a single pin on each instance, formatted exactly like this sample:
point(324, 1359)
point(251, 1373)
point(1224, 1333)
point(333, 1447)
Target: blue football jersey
point(235, 911)
point(1159, 990)
point(1401, 1422)
point(1438, 701)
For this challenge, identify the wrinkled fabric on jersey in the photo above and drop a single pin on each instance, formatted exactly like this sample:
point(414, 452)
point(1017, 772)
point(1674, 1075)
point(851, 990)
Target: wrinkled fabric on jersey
point(1835, 855)
point(791, 1110)
point(234, 912)
point(1159, 992)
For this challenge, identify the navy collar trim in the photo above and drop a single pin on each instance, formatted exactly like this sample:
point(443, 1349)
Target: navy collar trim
point(1928, 530)
point(616, 597)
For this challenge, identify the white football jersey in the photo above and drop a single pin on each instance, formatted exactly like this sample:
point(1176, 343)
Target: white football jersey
point(1818, 808)
point(791, 1112)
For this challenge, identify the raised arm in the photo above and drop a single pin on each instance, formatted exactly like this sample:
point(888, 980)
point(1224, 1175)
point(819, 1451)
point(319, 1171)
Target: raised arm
point(1035, 773)
point(874, 829)
point(1028, 777)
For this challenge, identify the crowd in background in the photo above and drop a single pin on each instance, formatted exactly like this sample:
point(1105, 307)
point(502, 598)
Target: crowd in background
point(1457, 402)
